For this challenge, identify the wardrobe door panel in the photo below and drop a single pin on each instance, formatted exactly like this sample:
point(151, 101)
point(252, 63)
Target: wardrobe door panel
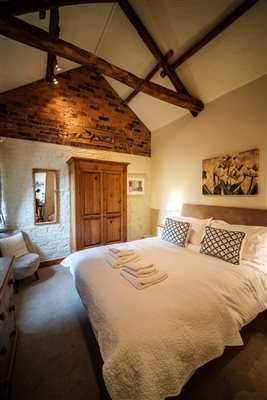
point(92, 193)
point(91, 208)
point(92, 232)
point(113, 229)
point(113, 192)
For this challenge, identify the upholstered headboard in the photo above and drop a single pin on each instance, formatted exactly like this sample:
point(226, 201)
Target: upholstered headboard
point(232, 215)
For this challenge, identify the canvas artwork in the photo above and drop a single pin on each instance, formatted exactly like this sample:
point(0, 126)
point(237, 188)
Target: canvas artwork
point(232, 174)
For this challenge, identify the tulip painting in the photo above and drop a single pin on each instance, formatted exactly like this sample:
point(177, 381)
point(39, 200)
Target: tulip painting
point(232, 174)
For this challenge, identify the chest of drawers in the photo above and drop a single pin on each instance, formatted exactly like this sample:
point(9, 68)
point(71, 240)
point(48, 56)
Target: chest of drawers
point(8, 328)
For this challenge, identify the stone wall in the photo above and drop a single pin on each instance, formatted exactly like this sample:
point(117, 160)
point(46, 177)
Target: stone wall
point(19, 157)
point(82, 110)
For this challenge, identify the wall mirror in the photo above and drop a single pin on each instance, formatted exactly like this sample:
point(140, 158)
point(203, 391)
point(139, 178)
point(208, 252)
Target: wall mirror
point(45, 196)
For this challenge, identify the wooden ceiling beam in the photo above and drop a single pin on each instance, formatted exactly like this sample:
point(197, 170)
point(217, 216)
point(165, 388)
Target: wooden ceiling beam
point(42, 14)
point(234, 15)
point(147, 78)
point(152, 46)
point(54, 31)
point(18, 7)
point(30, 35)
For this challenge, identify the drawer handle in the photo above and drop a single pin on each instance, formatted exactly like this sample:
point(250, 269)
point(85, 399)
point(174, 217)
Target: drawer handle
point(2, 316)
point(11, 308)
point(3, 351)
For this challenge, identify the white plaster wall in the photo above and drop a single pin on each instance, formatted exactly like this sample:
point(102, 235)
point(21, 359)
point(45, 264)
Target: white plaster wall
point(235, 122)
point(19, 157)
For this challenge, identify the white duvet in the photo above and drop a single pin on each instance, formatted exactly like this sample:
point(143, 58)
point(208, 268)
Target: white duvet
point(153, 340)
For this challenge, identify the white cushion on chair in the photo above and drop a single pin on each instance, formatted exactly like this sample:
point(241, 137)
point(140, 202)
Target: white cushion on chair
point(13, 246)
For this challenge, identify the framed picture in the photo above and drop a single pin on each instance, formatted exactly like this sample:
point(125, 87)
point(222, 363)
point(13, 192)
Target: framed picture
point(234, 174)
point(136, 185)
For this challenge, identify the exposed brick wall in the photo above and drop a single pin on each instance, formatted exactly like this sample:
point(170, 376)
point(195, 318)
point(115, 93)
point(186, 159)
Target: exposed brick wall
point(82, 110)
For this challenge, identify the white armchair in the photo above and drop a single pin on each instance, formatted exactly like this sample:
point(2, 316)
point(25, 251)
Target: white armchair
point(26, 264)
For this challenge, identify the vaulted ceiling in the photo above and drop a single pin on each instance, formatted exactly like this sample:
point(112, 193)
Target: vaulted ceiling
point(233, 58)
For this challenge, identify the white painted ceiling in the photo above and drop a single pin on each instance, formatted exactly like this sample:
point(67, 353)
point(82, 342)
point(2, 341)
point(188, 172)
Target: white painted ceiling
point(236, 57)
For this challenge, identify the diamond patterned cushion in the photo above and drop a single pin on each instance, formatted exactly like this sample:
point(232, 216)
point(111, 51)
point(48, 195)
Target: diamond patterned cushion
point(223, 244)
point(176, 232)
point(197, 228)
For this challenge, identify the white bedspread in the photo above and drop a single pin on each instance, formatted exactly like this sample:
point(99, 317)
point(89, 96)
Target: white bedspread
point(153, 340)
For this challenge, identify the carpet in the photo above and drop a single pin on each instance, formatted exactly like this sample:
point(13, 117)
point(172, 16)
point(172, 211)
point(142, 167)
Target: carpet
point(58, 357)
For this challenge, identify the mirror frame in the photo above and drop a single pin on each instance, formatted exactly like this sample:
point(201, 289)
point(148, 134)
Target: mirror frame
point(34, 171)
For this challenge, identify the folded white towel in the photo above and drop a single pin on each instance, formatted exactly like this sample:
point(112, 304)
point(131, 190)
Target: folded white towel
point(117, 263)
point(120, 252)
point(121, 257)
point(142, 283)
point(140, 272)
point(138, 266)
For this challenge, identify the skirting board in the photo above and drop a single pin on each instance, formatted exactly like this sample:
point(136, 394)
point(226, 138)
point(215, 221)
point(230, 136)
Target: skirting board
point(48, 263)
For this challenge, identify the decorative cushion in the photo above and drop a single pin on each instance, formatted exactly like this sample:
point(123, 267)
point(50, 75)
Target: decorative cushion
point(255, 242)
point(197, 228)
point(13, 246)
point(224, 244)
point(176, 232)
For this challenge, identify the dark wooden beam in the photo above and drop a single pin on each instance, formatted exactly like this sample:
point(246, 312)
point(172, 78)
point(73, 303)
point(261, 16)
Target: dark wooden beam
point(42, 14)
point(152, 46)
point(17, 7)
point(147, 78)
point(234, 15)
point(23, 32)
point(54, 31)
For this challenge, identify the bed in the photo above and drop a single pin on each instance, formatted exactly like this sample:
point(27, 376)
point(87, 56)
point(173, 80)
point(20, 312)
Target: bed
point(153, 340)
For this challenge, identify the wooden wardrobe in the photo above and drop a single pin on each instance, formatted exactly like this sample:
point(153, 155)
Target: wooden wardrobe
point(98, 202)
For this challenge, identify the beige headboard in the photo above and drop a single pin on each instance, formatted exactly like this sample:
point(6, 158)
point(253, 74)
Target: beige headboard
point(232, 215)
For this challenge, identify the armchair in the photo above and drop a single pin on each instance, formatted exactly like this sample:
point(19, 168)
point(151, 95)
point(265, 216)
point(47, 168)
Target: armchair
point(26, 264)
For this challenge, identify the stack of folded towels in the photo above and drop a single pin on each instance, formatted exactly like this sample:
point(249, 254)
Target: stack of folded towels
point(142, 274)
point(118, 257)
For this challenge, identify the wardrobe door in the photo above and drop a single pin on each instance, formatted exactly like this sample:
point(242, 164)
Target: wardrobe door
point(98, 202)
point(113, 206)
point(91, 208)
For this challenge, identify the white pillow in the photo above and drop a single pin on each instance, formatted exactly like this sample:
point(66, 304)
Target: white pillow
point(13, 246)
point(255, 240)
point(197, 228)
